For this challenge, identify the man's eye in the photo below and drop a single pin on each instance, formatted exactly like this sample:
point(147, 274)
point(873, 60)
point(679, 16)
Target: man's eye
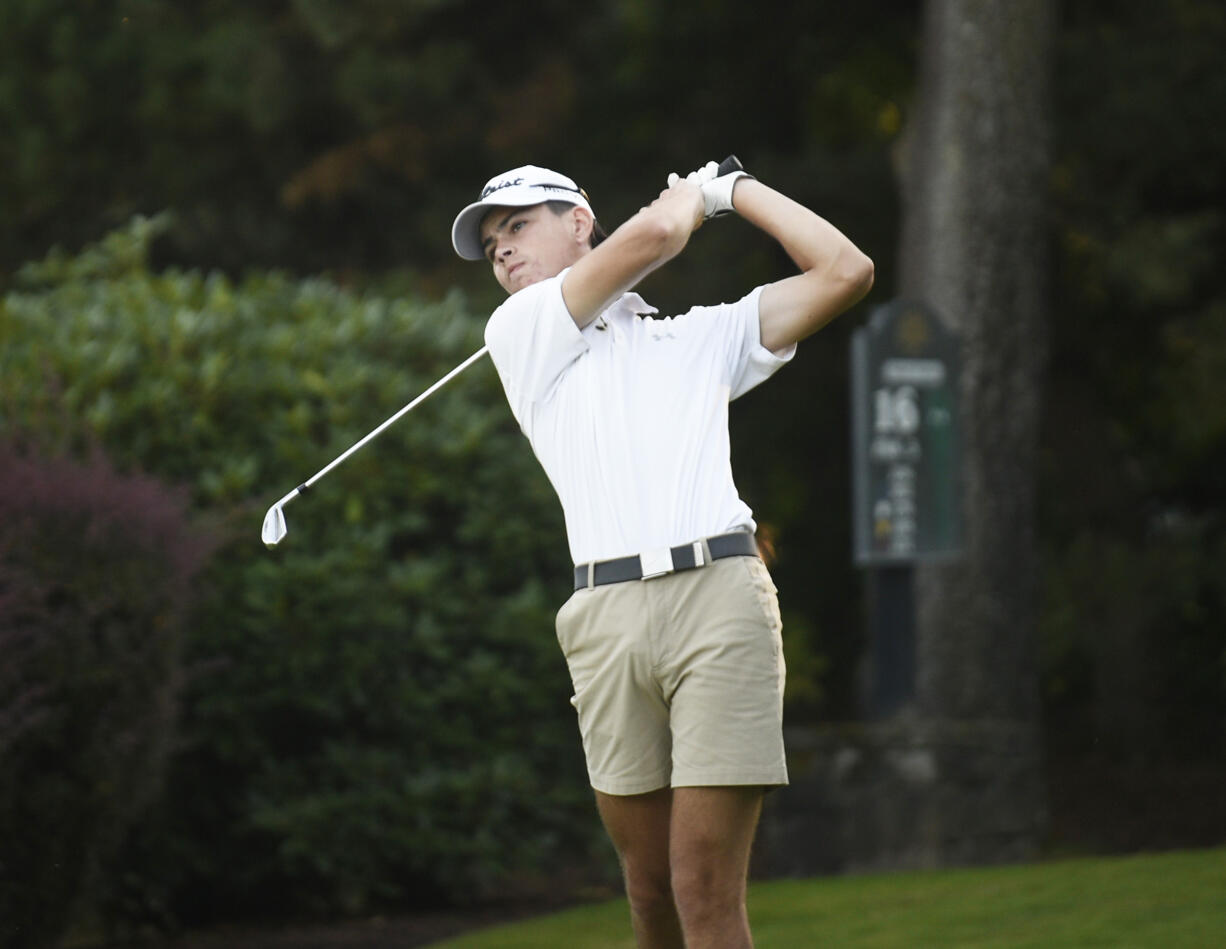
point(517, 225)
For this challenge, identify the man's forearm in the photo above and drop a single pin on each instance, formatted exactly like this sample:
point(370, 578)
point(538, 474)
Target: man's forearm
point(834, 275)
point(812, 242)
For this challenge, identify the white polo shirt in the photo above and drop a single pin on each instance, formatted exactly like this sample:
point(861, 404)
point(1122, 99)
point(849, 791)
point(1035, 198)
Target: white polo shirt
point(629, 417)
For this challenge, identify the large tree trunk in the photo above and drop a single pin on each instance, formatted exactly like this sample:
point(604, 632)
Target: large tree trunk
point(974, 185)
point(974, 172)
point(956, 778)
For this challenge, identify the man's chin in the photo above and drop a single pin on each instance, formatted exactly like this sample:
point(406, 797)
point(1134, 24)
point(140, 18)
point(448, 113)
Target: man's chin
point(520, 281)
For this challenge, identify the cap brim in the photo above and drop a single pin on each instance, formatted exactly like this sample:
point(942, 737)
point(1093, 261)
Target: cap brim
point(466, 230)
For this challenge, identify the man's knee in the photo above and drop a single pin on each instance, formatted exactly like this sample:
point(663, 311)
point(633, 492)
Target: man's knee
point(650, 892)
point(706, 887)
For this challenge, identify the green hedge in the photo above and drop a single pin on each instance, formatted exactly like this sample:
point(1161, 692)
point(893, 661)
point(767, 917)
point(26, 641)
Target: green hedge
point(377, 709)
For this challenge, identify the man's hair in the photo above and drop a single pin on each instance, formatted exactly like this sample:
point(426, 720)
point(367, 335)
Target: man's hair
point(561, 207)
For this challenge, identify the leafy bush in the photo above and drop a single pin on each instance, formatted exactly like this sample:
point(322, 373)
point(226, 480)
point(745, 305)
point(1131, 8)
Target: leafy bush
point(1135, 667)
point(94, 589)
point(378, 709)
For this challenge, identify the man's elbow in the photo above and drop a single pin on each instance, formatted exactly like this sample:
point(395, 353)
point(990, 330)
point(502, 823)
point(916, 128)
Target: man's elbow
point(661, 235)
point(856, 273)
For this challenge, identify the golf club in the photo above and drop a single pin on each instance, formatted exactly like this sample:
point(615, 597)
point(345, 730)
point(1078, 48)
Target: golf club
point(274, 529)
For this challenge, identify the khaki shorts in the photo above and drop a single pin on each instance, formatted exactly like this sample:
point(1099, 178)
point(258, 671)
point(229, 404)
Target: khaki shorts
point(679, 679)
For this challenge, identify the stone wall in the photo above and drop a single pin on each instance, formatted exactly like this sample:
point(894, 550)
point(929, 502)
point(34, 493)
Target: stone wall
point(904, 794)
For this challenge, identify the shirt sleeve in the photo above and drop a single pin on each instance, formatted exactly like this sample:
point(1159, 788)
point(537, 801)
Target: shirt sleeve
point(737, 332)
point(756, 363)
point(532, 340)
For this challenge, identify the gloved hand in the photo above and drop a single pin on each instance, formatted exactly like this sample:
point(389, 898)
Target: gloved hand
point(716, 188)
point(700, 177)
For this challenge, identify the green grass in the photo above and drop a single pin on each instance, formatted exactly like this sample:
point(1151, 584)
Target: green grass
point(1165, 901)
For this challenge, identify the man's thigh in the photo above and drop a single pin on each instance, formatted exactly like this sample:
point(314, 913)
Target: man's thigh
point(723, 670)
point(711, 831)
point(638, 825)
point(605, 635)
point(703, 830)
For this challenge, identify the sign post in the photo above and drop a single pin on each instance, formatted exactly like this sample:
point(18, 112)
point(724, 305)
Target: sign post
point(906, 497)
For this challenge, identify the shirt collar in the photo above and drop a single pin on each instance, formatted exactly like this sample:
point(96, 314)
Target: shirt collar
point(630, 304)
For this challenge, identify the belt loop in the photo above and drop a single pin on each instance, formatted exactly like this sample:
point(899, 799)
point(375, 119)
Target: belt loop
point(706, 552)
point(591, 574)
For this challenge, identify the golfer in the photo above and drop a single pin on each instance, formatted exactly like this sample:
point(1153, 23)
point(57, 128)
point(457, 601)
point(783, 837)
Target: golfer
point(672, 636)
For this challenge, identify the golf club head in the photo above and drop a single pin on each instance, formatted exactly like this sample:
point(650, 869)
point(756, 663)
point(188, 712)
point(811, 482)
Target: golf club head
point(274, 528)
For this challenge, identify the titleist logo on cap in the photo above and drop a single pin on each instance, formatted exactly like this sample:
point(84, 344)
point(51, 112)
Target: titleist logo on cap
point(513, 182)
point(508, 183)
point(517, 187)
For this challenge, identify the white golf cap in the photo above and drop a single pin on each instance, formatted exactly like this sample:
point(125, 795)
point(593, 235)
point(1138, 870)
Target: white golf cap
point(520, 187)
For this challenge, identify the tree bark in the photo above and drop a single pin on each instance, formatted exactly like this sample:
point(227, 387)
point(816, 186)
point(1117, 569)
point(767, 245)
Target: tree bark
point(973, 170)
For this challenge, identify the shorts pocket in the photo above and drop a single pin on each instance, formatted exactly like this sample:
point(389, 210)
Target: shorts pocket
point(764, 588)
point(564, 621)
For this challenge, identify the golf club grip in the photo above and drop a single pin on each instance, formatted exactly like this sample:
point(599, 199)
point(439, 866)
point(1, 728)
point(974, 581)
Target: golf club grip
point(730, 164)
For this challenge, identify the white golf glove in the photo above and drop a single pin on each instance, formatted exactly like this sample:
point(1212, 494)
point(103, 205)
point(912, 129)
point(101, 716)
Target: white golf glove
point(716, 188)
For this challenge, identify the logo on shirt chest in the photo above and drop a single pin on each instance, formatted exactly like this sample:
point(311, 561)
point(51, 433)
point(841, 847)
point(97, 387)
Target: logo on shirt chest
point(658, 330)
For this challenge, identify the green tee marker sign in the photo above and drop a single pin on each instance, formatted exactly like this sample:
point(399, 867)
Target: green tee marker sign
point(905, 437)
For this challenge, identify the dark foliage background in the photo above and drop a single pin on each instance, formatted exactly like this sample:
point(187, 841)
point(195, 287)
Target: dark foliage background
point(389, 676)
point(376, 712)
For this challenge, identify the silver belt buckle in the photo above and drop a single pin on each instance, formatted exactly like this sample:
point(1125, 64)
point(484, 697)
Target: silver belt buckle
point(656, 563)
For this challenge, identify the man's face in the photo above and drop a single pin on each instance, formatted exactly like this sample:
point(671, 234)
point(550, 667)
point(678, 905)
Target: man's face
point(527, 245)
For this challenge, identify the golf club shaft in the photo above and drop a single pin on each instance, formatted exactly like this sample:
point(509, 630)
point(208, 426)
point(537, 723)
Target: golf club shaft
point(274, 529)
point(391, 421)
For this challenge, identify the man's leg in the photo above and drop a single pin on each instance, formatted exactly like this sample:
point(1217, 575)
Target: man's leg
point(638, 825)
point(711, 833)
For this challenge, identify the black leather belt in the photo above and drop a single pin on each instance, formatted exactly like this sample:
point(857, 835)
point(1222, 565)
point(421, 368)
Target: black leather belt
point(666, 560)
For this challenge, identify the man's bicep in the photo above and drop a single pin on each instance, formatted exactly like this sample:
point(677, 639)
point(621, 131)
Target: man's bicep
point(795, 307)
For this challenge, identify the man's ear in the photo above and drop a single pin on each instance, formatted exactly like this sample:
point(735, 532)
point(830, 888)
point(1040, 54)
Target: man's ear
point(582, 223)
